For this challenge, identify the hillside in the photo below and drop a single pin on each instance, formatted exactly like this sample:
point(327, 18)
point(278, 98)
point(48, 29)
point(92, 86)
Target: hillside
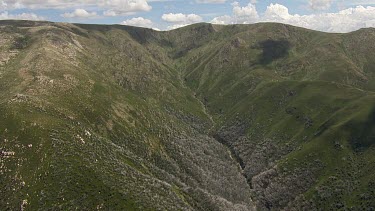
point(205, 117)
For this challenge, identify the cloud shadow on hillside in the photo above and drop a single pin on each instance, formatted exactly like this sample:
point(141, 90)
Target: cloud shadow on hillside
point(273, 50)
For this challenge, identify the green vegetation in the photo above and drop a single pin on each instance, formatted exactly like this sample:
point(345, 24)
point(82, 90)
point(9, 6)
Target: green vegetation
point(205, 117)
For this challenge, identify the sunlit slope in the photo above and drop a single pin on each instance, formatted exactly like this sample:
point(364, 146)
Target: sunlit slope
point(297, 108)
point(205, 117)
point(90, 119)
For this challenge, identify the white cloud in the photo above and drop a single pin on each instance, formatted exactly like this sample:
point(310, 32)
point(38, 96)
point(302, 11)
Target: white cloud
point(225, 19)
point(176, 26)
point(140, 22)
point(320, 4)
point(249, 11)
point(125, 7)
point(180, 20)
point(277, 12)
point(43, 4)
point(111, 7)
point(246, 14)
point(343, 21)
point(79, 13)
point(21, 16)
point(347, 19)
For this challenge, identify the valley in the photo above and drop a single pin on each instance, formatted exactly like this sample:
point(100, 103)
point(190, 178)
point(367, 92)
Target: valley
point(206, 117)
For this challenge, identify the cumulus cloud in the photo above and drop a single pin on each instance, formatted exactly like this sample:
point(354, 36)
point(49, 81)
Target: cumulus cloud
point(79, 13)
point(21, 16)
point(343, 21)
point(246, 14)
point(125, 7)
point(140, 22)
point(176, 26)
point(180, 20)
point(111, 7)
point(225, 19)
point(277, 12)
point(42, 4)
point(320, 4)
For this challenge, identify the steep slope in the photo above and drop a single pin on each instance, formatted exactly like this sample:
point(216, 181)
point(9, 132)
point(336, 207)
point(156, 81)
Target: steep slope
point(290, 103)
point(90, 119)
point(205, 117)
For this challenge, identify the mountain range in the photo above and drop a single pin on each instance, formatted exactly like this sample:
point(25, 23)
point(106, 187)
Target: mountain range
point(205, 117)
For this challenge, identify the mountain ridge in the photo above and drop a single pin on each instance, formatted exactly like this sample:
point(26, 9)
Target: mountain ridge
point(206, 117)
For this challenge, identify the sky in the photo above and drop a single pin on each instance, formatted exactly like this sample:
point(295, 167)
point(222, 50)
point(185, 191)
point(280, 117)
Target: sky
point(323, 15)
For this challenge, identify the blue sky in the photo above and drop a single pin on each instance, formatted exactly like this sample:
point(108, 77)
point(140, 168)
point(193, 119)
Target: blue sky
point(323, 15)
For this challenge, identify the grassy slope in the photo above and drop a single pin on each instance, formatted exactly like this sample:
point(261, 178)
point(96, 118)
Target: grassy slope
point(297, 101)
point(289, 102)
point(97, 122)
